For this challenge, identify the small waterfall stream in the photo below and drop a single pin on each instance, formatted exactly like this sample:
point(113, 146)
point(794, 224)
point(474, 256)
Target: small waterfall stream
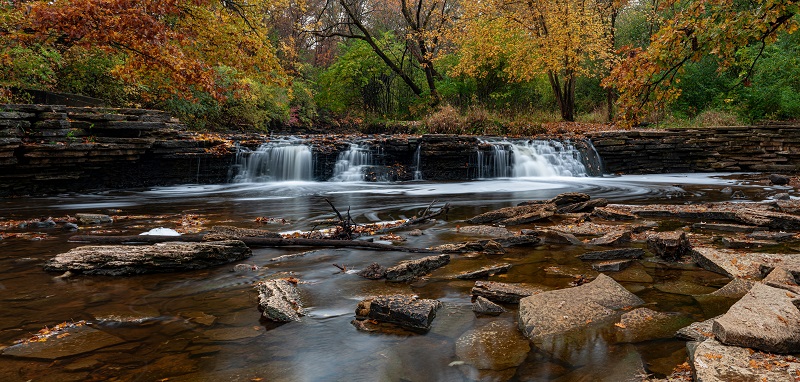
point(534, 158)
point(277, 161)
point(417, 163)
point(352, 164)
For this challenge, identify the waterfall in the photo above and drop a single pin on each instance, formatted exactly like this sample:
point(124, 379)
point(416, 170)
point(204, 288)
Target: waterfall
point(352, 164)
point(534, 158)
point(417, 163)
point(276, 161)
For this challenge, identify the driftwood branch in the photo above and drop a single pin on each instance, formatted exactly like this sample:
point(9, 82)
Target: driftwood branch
point(425, 216)
point(250, 241)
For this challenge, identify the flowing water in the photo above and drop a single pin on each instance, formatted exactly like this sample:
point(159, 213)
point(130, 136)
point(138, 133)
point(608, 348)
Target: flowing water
point(204, 325)
point(532, 158)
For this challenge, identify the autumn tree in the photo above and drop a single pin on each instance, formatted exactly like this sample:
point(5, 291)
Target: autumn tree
point(560, 39)
point(419, 24)
point(691, 30)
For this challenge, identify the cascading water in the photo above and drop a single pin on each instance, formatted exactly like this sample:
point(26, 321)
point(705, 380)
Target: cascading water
point(535, 158)
point(351, 164)
point(417, 163)
point(276, 161)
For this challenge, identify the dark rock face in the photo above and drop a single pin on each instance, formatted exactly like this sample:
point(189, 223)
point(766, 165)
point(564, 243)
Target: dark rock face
point(765, 319)
point(409, 312)
point(612, 238)
point(410, 270)
point(779, 180)
point(774, 220)
point(559, 311)
point(613, 254)
point(485, 272)
point(503, 292)
point(130, 260)
point(279, 301)
point(373, 271)
point(557, 237)
point(670, 246)
point(482, 305)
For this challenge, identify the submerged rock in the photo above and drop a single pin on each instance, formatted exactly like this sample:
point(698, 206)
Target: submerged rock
point(89, 219)
point(559, 311)
point(503, 292)
point(613, 254)
point(279, 300)
point(670, 246)
point(644, 324)
point(74, 340)
point(766, 319)
point(411, 269)
point(165, 257)
point(612, 265)
point(495, 346)
point(373, 271)
point(409, 312)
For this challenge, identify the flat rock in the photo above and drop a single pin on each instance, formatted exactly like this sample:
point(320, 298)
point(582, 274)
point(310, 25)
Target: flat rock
point(612, 238)
point(569, 198)
point(482, 305)
point(586, 206)
point(552, 236)
point(511, 212)
point(485, 272)
point(558, 311)
point(724, 227)
point(736, 264)
point(484, 230)
point(89, 219)
point(543, 212)
point(497, 345)
point(670, 246)
point(736, 243)
point(683, 287)
point(697, 331)
point(74, 340)
point(504, 292)
point(712, 361)
point(409, 312)
point(771, 235)
point(783, 279)
point(613, 213)
point(164, 257)
point(765, 319)
point(771, 219)
point(279, 300)
point(518, 241)
point(229, 232)
point(736, 288)
point(613, 254)
point(412, 269)
point(644, 324)
point(612, 265)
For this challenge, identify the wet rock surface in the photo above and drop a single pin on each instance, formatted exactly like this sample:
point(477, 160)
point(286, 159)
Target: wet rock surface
point(70, 342)
point(712, 361)
point(613, 254)
point(497, 345)
point(697, 331)
point(410, 270)
point(558, 311)
point(645, 324)
point(279, 300)
point(613, 238)
point(482, 305)
point(670, 246)
point(130, 260)
point(485, 272)
point(612, 265)
point(504, 292)
point(409, 312)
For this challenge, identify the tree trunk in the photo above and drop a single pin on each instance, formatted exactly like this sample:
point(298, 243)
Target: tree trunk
point(565, 96)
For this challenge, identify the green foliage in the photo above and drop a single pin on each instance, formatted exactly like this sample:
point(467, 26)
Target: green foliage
point(89, 73)
point(32, 67)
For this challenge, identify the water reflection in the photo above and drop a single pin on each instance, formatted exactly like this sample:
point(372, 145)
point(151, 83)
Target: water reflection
point(204, 325)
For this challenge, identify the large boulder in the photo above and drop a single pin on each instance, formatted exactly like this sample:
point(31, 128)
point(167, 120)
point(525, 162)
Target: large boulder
point(412, 269)
point(409, 312)
point(766, 319)
point(279, 300)
point(115, 260)
point(558, 311)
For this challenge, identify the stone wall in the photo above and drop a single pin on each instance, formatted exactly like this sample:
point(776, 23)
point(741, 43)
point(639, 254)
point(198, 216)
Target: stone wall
point(769, 148)
point(53, 149)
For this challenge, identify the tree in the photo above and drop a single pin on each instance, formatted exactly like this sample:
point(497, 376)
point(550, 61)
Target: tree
point(419, 23)
point(689, 31)
point(561, 39)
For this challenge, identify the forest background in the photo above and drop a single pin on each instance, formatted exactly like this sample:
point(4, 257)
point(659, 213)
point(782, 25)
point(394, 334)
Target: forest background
point(435, 66)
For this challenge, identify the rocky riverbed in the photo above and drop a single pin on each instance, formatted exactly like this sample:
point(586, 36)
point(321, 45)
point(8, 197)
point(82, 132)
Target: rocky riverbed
point(565, 287)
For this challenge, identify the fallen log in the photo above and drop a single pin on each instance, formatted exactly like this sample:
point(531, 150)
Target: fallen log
point(250, 241)
point(425, 216)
